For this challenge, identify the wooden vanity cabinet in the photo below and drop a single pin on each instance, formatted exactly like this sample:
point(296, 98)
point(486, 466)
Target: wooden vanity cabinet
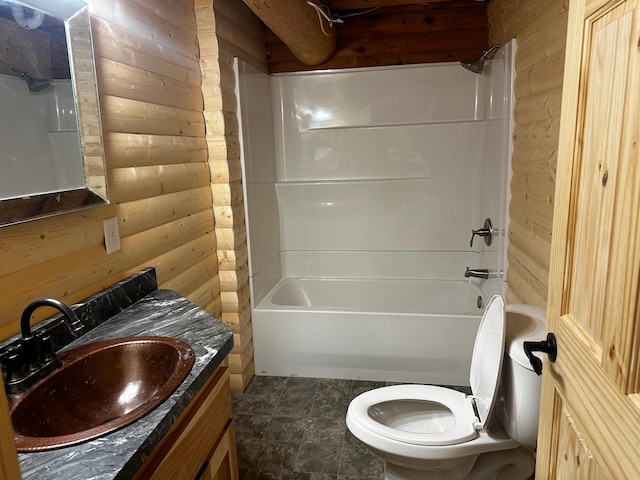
point(201, 444)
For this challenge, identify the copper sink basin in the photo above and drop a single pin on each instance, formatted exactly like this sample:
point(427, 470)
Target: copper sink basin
point(101, 387)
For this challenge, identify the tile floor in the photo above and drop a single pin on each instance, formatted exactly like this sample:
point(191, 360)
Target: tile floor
point(293, 428)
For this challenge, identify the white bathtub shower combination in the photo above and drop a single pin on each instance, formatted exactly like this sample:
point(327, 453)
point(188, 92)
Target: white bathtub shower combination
point(376, 295)
point(369, 328)
point(375, 327)
point(360, 208)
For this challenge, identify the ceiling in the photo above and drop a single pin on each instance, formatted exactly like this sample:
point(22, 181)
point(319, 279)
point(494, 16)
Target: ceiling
point(394, 32)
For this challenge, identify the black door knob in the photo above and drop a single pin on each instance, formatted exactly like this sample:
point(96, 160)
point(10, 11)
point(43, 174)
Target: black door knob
point(548, 346)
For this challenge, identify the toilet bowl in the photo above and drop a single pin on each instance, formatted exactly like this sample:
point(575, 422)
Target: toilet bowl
point(429, 432)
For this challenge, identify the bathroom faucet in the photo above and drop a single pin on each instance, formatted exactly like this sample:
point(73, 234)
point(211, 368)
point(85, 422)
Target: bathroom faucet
point(32, 358)
point(72, 322)
point(476, 272)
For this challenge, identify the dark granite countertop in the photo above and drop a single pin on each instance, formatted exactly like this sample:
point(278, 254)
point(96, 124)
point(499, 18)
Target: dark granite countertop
point(120, 454)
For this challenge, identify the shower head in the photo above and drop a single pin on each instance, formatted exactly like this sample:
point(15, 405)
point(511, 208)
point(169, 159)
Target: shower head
point(34, 84)
point(476, 66)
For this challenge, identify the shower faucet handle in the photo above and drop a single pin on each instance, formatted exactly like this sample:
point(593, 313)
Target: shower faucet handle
point(486, 232)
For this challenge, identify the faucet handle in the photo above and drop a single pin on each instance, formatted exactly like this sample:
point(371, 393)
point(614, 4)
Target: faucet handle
point(12, 361)
point(486, 232)
point(31, 348)
point(46, 349)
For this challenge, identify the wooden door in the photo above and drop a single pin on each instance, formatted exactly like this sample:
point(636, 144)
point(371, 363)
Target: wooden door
point(590, 413)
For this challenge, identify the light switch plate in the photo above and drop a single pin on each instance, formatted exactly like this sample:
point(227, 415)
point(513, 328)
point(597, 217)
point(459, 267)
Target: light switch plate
point(111, 235)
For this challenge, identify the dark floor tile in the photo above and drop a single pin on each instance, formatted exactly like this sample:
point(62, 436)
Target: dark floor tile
point(275, 456)
point(334, 388)
point(261, 385)
point(247, 451)
point(325, 431)
point(267, 475)
point(350, 439)
point(255, 404)
point(333, 408)
point(359, 461)
point(250, 426)
point(315, 458)
point(242, 471)
point(293, 428)
point(312, 476)
point(286, 429)
point(361, 386)
point(351, 477)
point(294, 406)
point(301, 386)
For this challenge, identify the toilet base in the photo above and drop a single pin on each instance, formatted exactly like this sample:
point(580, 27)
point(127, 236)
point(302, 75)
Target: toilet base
point(513, 464)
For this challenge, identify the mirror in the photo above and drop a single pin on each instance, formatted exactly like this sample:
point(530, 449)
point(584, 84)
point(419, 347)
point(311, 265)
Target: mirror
point(52, 155)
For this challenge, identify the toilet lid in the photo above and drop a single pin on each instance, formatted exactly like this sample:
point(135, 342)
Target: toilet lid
point(486, 362)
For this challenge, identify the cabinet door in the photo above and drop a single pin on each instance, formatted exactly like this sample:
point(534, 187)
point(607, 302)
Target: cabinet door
point(204, 429)
point(223, 464)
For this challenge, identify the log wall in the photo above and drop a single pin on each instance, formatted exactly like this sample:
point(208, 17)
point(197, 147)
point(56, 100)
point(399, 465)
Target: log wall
point(148, 70)
point(162, 184)
point(540, 28)
point(229, 30)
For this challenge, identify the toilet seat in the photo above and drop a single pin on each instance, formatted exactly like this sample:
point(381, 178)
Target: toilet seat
point(441, 404)
point(413, 414)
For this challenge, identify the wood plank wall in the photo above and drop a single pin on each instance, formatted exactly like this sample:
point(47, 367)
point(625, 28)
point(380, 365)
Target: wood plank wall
point(147, 63)
point(540, 28)
point(231, 31)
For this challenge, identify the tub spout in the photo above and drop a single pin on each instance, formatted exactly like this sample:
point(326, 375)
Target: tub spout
point(476, 272)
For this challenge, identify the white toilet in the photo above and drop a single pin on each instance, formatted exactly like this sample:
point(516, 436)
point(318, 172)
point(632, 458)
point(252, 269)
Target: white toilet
point(429, 432)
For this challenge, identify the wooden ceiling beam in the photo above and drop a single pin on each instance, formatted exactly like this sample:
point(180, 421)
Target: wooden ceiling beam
point(299, 26)
point(398, 36)
point(341, 5)
point(425, 32)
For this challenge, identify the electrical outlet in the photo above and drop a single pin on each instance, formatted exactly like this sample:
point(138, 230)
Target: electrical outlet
point(111, 235)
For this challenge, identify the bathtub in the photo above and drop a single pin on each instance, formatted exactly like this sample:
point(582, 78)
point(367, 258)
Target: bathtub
point(393, 330)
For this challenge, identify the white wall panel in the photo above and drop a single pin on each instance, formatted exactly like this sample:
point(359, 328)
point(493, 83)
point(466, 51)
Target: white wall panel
point(437, 150)
point(496, 153)
point(416, 214)
point(380, 159)
point(439, 92)
point(259, 169)
point(403, 161)
point(374, 264)
point(36, 136)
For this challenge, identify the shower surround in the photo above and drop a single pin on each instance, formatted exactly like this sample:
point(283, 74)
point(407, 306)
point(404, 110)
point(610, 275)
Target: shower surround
point(371, 180)
point(38, 133)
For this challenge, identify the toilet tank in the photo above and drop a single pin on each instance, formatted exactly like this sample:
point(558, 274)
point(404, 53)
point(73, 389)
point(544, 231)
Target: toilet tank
point(519, 399)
